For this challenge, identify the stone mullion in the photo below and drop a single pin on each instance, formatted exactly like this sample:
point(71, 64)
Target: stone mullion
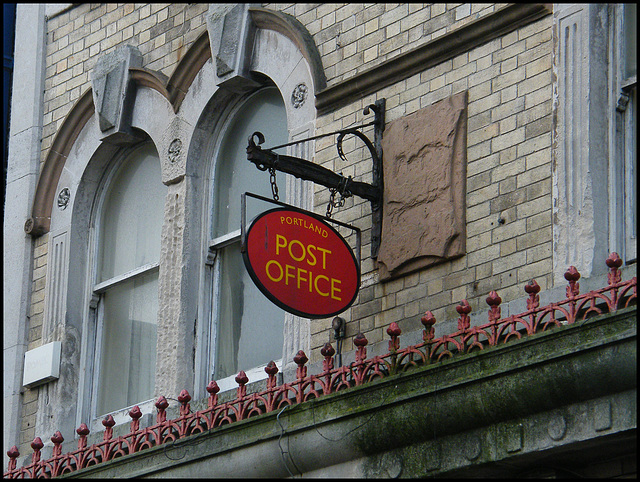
point(174, 360)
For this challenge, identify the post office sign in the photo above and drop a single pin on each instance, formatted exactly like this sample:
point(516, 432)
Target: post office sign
point(301, 263)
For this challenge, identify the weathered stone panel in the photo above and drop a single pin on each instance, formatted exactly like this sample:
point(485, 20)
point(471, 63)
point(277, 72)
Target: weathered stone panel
point(425, 188)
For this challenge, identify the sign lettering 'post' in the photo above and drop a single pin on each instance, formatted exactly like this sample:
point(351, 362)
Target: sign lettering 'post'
point(301, 263)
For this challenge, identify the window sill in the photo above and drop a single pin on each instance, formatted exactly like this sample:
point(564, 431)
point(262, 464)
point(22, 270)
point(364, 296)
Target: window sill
point(121, 416)
point(254, 375)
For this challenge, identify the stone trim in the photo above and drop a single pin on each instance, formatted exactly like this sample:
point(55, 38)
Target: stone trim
point(454, 43)
point(40, 221)
point(174, 90)
point(583, 116)
point(231, 38)
point(154, 80)
point(291, 28)
point(180, 81)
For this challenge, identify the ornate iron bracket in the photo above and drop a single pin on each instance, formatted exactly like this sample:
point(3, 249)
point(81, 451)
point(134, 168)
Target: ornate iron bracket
point(266, 159)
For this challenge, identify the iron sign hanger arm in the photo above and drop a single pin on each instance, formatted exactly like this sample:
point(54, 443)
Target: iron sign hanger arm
point(307, 170)
point(266, 159)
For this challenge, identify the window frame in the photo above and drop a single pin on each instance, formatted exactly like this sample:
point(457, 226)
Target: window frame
point(209, 299)
point(623, 163)
point(97, 289)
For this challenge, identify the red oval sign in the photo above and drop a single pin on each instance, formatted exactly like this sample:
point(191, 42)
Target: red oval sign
point(301, 263)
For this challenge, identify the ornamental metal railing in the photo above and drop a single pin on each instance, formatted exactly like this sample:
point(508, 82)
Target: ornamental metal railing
point(576, 307)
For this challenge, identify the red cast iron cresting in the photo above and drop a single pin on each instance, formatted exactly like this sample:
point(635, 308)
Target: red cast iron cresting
point(576, 307)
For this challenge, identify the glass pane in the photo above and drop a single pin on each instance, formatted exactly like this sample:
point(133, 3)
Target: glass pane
point(250, 327)
point(128, 356)
point(132, 215)
point(630, 37)
point(264, 112)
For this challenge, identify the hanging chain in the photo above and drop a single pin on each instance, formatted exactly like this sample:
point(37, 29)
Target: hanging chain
point(272, 179)
point(332, 202)
point(341, 190)
point(274, 186)
point(344, 194)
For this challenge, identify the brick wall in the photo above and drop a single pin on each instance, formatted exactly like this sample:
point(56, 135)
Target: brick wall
point(509, 142)
point(34, 336)
point(508, 181)
point(354, 37)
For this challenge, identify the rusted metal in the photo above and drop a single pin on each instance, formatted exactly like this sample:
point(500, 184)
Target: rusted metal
point(576, 307)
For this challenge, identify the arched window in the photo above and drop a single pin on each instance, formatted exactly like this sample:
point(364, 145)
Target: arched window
point(129, 226)
point(247, 329)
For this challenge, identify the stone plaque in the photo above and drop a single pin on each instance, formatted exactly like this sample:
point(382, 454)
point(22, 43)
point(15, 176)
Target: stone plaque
point(424, 219)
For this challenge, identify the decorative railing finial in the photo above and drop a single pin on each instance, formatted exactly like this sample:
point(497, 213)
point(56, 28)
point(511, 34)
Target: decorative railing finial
point(57, 440)
point(184, 398)
point(135, 413)
point(463, 310)
point(13, 454)
point(301, 359)
point(162, 404)
point(242, 380)
point(494, 300)
point(572, 276)
point(532, 288)
point(428, 320)
point(36, 445)
point(83, 431)
point(360, 341)
point(327, 352)
point(614, 262)
point(577, 306)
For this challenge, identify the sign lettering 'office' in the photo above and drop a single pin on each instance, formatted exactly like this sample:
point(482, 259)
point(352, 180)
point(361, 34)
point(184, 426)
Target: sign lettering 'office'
point(301, 263)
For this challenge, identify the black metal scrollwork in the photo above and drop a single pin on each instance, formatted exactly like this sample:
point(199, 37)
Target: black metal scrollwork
point(266, 159)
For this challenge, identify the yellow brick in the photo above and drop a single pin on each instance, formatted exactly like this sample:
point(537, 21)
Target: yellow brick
point(371, 54)
point(371, 26)
point(163, 14)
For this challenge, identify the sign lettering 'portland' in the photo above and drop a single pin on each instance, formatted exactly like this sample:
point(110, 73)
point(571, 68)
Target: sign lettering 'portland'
point(301, 263)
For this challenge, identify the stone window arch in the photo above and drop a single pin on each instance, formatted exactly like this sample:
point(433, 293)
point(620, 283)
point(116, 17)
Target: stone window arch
point(178, 115)
point(270, 51)
point(246, 329)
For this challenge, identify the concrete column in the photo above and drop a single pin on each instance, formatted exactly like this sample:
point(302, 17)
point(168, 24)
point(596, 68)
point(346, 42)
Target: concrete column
point(22, 174)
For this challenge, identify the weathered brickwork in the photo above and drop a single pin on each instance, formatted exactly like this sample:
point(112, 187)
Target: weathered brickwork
point(34, 334)
point(354, 37)
point(38, 292)
point(509, 83)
